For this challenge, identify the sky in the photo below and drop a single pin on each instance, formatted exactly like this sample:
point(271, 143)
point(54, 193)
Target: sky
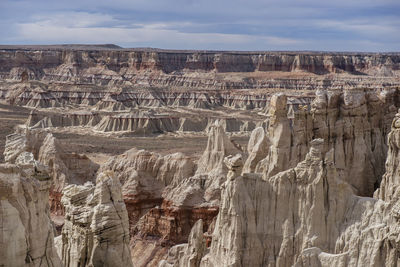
point(255, 25)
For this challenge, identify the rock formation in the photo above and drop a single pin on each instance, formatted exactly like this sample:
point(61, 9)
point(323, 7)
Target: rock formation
point(354, 123)
point(96, 229)
point(173, 68)
point(309, 215)
point(316, 185)
point(26, 231)
point(140, 124)
point(64, 168)
point(144, 176)
point(189, 254)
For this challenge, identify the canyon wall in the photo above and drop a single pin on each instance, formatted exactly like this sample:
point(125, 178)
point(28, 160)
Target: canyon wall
point(32, 95)
point(117, 70)
point(49, 64)
point(140, 124)
point(26, 231)
point(312, 209)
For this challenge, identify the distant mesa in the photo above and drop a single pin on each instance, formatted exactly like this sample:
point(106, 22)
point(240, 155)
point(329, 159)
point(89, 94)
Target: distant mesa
point(62, 47)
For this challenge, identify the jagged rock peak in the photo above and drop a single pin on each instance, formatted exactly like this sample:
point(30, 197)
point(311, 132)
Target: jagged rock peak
point(218, 147)
point(96, 229)
point(308, 216)
point(353, 122)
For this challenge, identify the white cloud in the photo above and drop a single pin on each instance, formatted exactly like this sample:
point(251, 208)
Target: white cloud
point(73, 19)
point(49, 32)
point(206, 24)
point(365, 27)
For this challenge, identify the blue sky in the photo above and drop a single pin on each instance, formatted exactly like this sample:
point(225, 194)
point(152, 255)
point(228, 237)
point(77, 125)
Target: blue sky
point(336, 25)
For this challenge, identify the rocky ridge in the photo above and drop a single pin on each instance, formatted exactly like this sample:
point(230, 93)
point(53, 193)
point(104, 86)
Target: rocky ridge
point(268, 219)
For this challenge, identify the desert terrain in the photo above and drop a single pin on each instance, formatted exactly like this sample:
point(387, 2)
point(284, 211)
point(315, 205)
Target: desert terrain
point(149, 157)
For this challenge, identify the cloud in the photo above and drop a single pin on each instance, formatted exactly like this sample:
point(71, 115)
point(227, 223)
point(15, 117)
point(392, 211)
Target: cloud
point(364, 27)
point(74, 19)
point(47, 31)
point(367, 25)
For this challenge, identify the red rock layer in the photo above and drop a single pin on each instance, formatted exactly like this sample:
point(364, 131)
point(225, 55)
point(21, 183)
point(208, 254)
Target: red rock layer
point(173, 224)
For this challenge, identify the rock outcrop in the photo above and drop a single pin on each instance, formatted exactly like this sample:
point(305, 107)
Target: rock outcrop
point(166, 195)
point(317, 184)
point(370, 230)
point(189, 254)
point(308, 215)
point(26, 231)
point(96, 229)
point(269, 222)
point(144, 175)
point(30, 95)
point(173, 68)
point(354, 123)
point(135, 122)
point(64, 168)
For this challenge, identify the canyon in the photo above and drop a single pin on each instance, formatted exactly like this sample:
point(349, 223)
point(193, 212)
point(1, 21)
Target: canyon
point(150, 157)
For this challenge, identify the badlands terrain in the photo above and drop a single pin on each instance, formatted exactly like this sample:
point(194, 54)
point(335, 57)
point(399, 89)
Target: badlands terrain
point(148, 157)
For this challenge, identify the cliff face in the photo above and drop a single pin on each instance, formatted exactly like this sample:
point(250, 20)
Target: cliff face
point(198, 70)
point(137, 123)
point(257, 207)
point(166, 195)
point(95, 232)
point(51, 63)
point(64, 168)
point(311, 214)
point(354, 123)
point(26, 231)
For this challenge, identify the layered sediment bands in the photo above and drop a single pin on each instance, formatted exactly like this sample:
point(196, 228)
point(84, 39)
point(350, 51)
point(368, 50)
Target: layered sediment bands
point(96, 229)
point(194, 197)
point(37, 120)
point(26, 231)
point(32, 95)
point(166, 195)
point(138, 123)
point(171, 224)
point(144, 175)
point(120, 66)
point(354, 122)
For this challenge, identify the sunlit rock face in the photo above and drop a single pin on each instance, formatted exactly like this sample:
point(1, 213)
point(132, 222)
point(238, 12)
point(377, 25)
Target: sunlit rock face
point(96, 228)
point(311, 214)
point(26, 231)
point(353, 123)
